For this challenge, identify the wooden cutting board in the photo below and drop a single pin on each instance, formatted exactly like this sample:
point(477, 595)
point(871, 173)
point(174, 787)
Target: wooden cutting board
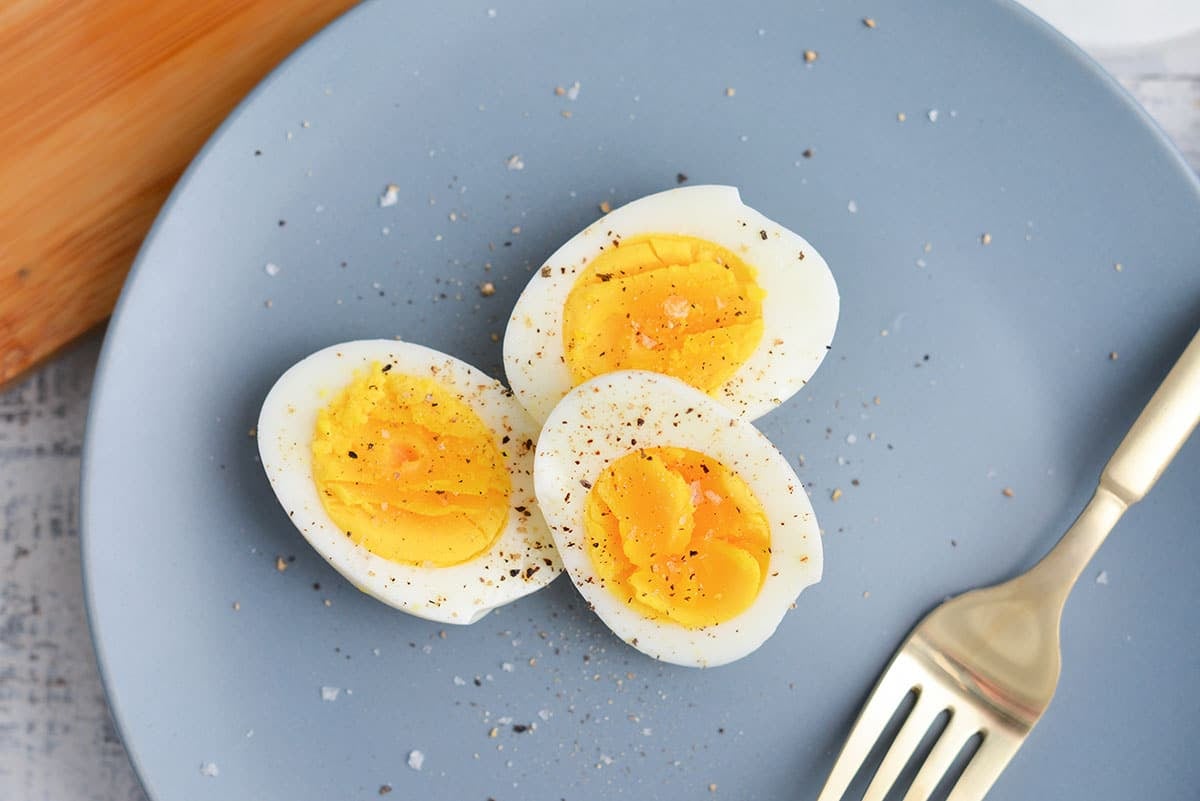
point(102, 105)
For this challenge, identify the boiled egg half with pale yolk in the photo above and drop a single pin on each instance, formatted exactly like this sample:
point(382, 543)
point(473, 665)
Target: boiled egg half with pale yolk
point(683, 528)
point(691, 283)
point(411, 472)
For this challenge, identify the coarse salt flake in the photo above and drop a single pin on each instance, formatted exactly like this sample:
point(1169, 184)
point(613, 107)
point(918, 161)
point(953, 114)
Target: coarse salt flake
point(271, 269)
point(515, 162)
point(209, 769)
point(330, 693)
point(676, 306)
point(390, 196)
point(416, 759)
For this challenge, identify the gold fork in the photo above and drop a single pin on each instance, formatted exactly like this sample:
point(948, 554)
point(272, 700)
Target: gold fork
point(990, 658)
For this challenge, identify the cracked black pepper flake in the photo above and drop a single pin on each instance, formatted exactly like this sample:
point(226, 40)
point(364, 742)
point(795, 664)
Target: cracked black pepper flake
point(352, 454)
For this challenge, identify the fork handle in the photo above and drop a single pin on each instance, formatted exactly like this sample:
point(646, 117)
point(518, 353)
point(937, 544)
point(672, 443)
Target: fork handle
point(1159, 432)
point(1155, 438)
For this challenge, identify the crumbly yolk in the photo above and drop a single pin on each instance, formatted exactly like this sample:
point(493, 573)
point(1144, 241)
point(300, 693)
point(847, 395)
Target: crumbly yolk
point(409, 471)
point(677, 535)
point(672, 304)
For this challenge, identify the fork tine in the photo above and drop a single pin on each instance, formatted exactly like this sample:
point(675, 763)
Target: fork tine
point(990, 759)
point(929, 705)
point(885, 699)
point(958, 730)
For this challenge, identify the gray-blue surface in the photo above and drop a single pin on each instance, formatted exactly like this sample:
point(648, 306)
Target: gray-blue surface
point(994, 372)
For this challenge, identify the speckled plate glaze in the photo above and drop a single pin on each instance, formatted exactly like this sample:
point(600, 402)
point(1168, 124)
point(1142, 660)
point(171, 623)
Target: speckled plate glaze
point(959, 369)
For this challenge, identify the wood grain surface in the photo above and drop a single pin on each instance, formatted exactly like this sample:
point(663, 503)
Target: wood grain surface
point(57, 742)
point(102, 105)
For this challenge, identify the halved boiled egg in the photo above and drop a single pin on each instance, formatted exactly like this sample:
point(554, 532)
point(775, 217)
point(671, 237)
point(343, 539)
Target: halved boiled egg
point(411, 472)
point(681, 525)
point(691, 283)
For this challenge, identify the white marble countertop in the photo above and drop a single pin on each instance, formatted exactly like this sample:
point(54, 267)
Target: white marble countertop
point(57, 742)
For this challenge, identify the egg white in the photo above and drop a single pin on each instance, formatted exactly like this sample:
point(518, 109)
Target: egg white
point(800, 310)
point(521, 560)
point(611, 415)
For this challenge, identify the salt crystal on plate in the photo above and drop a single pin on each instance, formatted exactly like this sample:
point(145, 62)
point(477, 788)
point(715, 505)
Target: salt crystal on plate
point(330, 693)
point(1102, 578)
point(390, 196)
point(271, 268)
point(515, 162)
point(852, 207)
point(416, 759)
point(573, 91)
point(209, 769)
point(933, 115)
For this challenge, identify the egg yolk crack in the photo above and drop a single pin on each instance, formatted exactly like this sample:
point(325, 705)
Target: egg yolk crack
point(678, 305)
point(677, 535)
point(409, 471)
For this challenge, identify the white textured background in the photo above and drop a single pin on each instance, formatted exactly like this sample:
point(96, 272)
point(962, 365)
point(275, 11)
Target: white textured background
point(56, 740)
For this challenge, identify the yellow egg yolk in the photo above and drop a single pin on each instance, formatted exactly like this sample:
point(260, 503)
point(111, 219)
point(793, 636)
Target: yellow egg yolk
point(409, 471)
point(672, 304)
point(677, 535)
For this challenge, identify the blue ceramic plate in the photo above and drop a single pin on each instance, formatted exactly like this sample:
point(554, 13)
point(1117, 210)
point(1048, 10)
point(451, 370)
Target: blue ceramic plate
point(959, 369)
